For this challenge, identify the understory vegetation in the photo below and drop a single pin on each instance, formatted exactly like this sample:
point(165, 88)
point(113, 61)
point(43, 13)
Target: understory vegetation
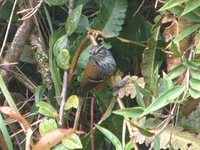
point(151, 101)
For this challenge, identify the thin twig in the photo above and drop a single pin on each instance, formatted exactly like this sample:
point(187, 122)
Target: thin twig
point(92, 124)
point(32, 12)
point(135, 13)
point(8, 28)
point(65, 79)
point(78, 112)
point(63, 99)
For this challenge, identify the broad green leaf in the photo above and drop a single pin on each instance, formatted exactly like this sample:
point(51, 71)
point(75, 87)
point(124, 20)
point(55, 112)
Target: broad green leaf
point(5, 133)
point(60, 147)
point(60, 44)
point(83, 24)
point(47, 109)
point(194, 93)
point(129, 146)
point(134, 112)
point(73, 20)
point(172, 3)
point(39, 91)
point(164, 99)
point(112, 138)
point(177, 71)
point(111, 17)
point(195, 74)
point(72, 142)
point(186, 33)
point(47, 126)
point(72, 102)
point(56, 2)
point(195, 84)
point(190, 6)
point(63, 59)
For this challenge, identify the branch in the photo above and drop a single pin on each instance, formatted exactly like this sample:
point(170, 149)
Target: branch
point(16, 49)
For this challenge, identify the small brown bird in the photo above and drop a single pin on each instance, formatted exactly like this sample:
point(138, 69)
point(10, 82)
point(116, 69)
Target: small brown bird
point(101, 65)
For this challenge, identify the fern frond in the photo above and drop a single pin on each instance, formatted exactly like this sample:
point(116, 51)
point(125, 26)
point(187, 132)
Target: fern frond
point(111, 17)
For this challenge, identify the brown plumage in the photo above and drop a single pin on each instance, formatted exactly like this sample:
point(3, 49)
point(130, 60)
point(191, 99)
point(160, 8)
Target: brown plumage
point(101, 65)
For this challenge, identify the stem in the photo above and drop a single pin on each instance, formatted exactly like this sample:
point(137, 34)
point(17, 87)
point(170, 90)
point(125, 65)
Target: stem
point(78, 112)
point(92, 124)
point(76, 57)
point(63, 99)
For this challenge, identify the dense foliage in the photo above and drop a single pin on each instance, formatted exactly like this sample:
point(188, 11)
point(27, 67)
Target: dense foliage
point(150, 102)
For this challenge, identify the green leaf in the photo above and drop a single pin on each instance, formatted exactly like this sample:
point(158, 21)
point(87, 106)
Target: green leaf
point(60, 44)
point(190, 6)
point(7, 95)
point(73, 20)
point(112, 138)
point(72, 102)
point(156, 143)
point(72, 142)
point(47, 126)
point(139, 96)
point(195, 84)
point(192, 65)
point(195, 74)
point(149, 58)
point(186, 33)
point(56, 2)
point(154, 82)
point(175, 50)
point(197, 49)
point(134, 112)
point(192, 16)
point(47, 110)
point(168, 83)
point(196, 62)
point(111, 17)
point(60, 147)
point(129, 146)
point(164, 99)
point(55, 74)
point(171, 4)
point(177, 71)
point(83, 24)
point(194, 93)
point(39, 91)
point(5, 133)
point(63, 59)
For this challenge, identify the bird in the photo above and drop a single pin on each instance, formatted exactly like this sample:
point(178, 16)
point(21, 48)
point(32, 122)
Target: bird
point(101, 66)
